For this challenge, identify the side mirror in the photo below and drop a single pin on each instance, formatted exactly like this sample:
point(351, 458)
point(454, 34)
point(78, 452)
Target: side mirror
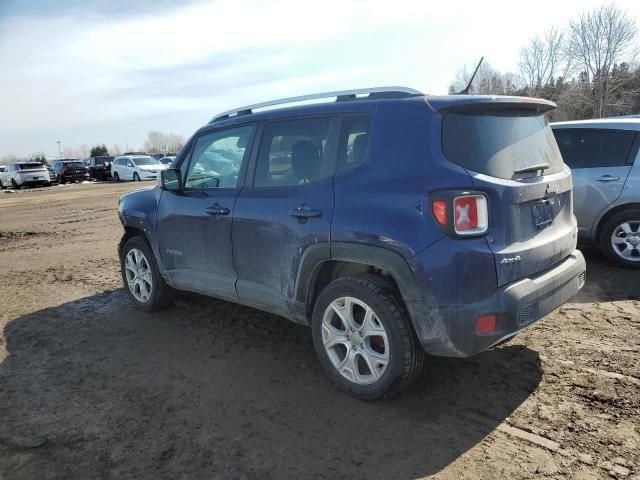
point(171, 179)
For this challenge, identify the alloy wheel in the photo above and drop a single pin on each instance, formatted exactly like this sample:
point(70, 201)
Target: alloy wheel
point(625, 241)
point(138, 272)
point(355, 340)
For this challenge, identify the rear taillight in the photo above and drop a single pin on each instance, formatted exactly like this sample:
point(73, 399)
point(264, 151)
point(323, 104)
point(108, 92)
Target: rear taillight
point(470, 215)
point(439, 209)
point(460, 213)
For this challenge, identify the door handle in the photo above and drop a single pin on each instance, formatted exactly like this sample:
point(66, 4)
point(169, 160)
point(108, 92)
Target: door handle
point(217, 210)
point(607, 178)
point(304, 212)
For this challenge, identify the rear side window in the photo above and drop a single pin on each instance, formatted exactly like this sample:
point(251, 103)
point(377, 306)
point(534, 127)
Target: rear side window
point(592, 147)
point(293, 153)
point(354, 142)
point(500, 143)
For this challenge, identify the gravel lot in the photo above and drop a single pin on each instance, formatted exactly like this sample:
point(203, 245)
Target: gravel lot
point(92, 388)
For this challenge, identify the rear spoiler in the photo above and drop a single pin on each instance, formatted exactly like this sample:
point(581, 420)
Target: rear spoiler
point(448, 103)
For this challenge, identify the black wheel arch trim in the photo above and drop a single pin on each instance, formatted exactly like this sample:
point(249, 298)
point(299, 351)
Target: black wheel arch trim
point(316, 255)
point(138, 220)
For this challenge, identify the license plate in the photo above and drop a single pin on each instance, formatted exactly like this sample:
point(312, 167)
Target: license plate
point(543, 215)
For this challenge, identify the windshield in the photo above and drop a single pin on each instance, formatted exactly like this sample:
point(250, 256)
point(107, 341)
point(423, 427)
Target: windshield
point(29, 166)
point(501, 143)
point(145, 161)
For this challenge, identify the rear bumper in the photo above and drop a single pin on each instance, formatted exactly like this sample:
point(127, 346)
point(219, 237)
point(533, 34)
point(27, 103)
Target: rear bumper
point(450, 331)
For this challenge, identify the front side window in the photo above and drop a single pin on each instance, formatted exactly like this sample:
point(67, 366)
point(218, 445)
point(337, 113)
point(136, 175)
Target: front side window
point(217, 158)
point(293, 153)
point(592, 148)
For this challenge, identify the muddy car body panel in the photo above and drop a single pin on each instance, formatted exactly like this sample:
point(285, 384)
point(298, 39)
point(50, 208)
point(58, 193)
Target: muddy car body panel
point(275, 236)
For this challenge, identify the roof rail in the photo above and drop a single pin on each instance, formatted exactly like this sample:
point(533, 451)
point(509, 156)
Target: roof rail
point(340, 94)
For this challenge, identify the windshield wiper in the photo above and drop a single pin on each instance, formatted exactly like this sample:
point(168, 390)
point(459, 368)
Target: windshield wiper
point(533, 168)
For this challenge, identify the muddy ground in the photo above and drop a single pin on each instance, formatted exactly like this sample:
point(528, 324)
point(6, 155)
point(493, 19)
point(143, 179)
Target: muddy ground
point(92, 388)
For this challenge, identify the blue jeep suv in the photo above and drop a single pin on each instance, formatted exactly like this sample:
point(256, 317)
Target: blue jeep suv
point(391, 222)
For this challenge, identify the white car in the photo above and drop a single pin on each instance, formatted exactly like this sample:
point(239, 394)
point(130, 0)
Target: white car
point(20, 174)
point(168, 160)
point(136, 168)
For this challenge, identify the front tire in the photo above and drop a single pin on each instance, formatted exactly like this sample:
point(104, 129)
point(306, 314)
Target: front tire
point(14, 184)
point(136, 177)
point(141, 278)
point(620, 239)
point(364, 339)
point(116, 177)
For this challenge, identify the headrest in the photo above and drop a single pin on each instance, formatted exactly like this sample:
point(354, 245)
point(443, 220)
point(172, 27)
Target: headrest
point(305, 160)
point(359, 148)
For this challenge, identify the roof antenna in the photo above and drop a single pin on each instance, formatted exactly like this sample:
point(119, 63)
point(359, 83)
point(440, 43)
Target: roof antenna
point(466, 90)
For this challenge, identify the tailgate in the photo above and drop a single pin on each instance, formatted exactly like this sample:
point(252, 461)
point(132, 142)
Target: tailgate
point(508, 148)
point(532, 225)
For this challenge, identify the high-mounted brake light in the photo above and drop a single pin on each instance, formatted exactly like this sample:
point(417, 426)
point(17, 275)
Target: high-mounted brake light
point(470, 214)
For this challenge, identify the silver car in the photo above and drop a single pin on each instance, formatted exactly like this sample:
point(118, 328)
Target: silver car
point(604, 160)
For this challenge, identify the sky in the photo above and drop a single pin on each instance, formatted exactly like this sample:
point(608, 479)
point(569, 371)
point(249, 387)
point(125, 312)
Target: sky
point(109, 71)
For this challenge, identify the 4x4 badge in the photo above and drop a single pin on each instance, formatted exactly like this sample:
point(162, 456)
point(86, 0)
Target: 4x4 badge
point(510, 260)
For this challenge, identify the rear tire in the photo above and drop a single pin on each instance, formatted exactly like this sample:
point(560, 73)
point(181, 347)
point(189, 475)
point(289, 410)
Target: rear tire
point(149, 292)
point(620, 239)
point(386, 337)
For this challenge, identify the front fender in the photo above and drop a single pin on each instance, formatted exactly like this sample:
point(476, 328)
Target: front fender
point(137, 210)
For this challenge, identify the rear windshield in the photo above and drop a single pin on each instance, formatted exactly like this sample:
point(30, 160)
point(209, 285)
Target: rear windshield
point(74, 164)
point(102, 160)
point(500, 143)
point(29, 166)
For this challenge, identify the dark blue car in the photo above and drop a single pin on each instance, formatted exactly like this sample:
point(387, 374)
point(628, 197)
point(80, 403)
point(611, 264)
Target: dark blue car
point(391, 222)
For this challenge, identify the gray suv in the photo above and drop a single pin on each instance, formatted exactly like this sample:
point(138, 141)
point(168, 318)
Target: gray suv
point(603, 157)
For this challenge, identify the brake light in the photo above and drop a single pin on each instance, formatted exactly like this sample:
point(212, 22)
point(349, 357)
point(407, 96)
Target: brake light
point(439, 208)
point(460, 213)
point(470, 215)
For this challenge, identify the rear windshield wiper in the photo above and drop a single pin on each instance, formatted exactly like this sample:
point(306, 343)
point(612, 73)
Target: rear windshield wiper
point(533, 168)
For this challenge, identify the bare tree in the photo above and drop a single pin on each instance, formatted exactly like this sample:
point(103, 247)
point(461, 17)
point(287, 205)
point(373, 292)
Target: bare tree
point(488, 80)
point(598, 40)
point(543, 60)
point(157, 140)
point(83, 150)
point(154, 142)
point(115, 149)
point(174, 142)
